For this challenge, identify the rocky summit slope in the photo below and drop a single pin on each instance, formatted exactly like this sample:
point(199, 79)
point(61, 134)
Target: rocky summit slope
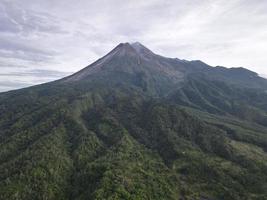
point(137, 125)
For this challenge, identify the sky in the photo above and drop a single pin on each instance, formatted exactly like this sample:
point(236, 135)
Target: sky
point(44, 40)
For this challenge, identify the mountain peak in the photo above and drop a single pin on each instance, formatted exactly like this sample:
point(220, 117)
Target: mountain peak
point(130, 58)
point(140, 48)
point(137, 61)
point(123, 49)
point(137, 45)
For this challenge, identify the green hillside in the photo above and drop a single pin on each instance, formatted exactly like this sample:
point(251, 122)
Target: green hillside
point(132, 129)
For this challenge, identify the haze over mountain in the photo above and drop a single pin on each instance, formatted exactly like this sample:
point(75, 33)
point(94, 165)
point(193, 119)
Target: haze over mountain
point(137, 125)
point(44, 40)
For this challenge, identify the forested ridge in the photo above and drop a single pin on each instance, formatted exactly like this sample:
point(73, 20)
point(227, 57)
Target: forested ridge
point(122, 134)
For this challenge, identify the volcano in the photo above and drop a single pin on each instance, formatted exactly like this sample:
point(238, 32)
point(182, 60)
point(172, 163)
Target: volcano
point(137, 125)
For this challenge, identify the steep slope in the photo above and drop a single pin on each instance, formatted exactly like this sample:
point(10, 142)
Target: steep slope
point(132, 59)
point(132, 65)
point(137, 66)
point(136, 125)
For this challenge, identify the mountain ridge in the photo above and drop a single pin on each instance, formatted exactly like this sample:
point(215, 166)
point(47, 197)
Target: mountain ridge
point(135, 59)
point(135, 125)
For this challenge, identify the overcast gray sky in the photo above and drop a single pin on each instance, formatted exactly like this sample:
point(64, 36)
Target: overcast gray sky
point(43, 40)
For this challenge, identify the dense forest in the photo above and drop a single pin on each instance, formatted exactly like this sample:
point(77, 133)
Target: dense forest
point(128, 131)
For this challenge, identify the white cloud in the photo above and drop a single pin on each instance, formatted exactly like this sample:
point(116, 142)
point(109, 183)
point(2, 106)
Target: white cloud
point(67, 36)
